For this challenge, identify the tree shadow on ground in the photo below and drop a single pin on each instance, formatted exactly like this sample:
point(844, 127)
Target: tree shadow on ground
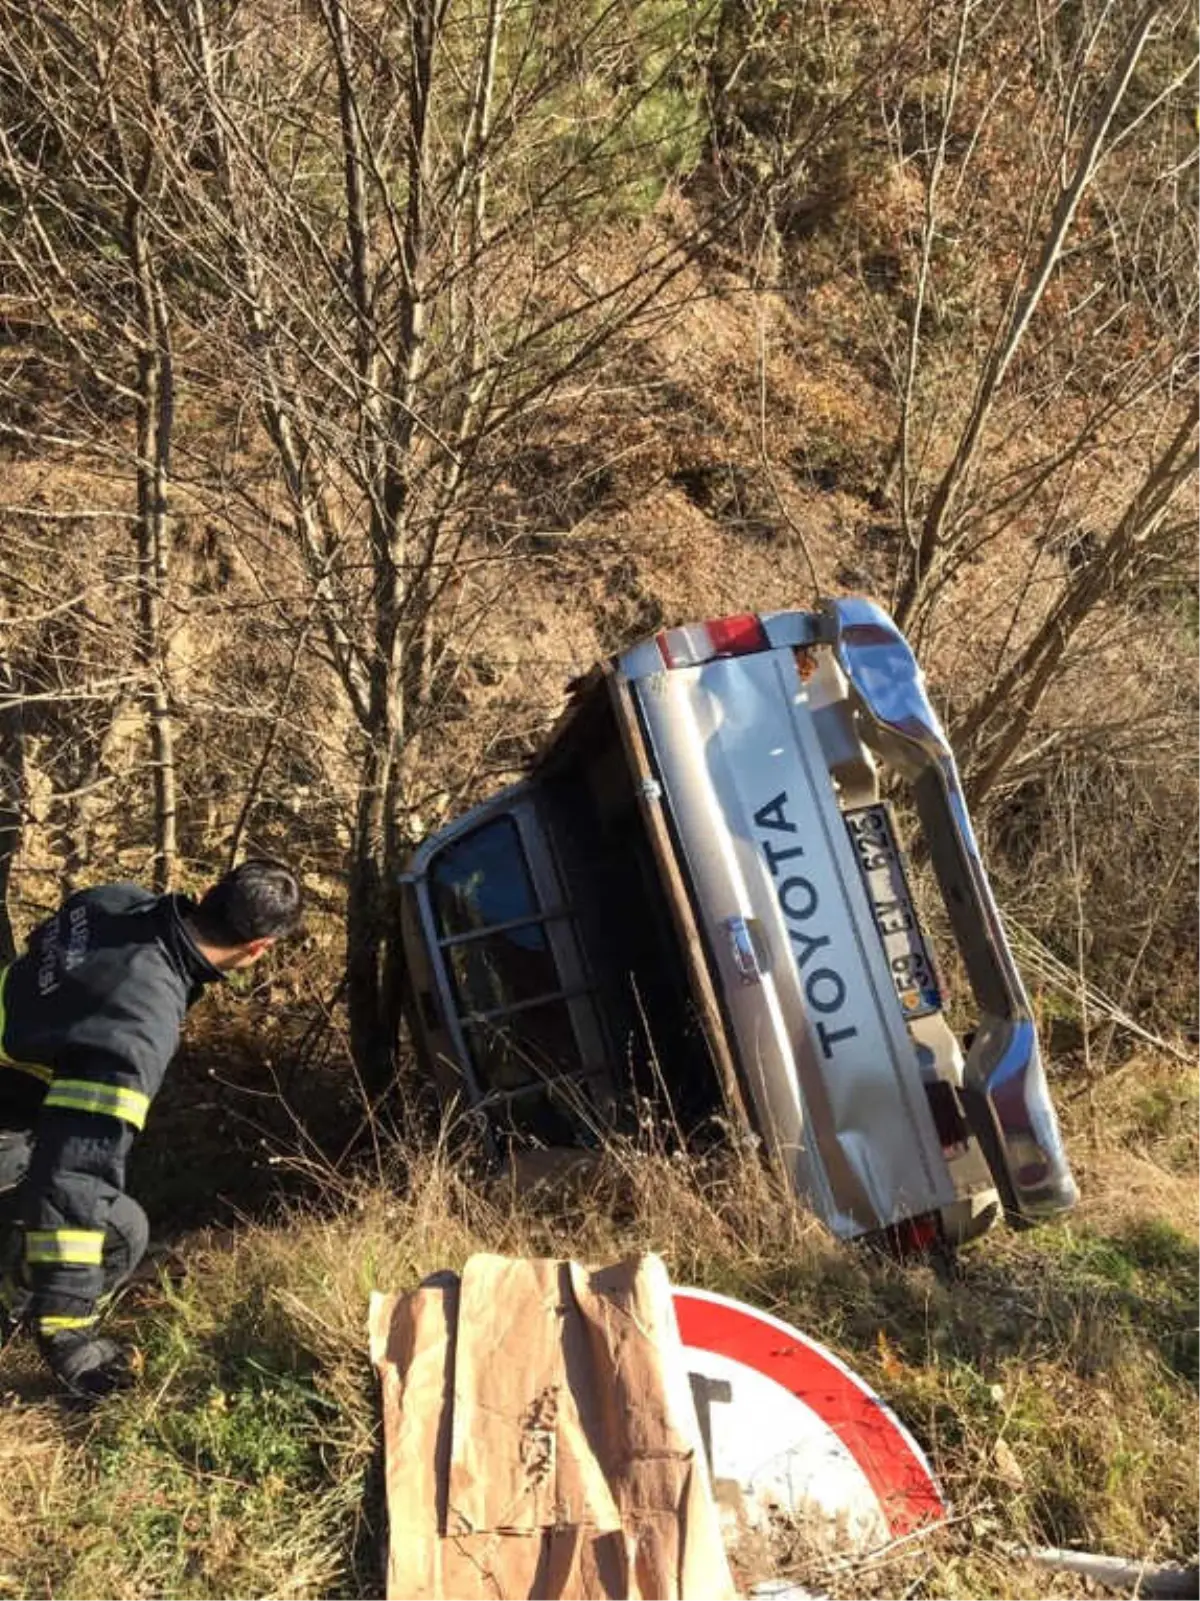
point(257, 1114)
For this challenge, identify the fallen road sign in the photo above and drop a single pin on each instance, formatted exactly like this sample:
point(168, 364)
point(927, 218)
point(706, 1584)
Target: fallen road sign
point(797, 1431)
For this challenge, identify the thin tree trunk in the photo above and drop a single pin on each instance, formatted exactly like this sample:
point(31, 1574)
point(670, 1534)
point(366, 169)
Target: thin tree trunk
point(155, 420)
point(903, 448)
point(316, 539)
point(12, 784)
point(374, 957)
point(155, 562)
point(375, 965)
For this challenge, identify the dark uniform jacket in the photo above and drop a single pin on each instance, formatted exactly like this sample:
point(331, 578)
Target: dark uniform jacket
point(90, 1017)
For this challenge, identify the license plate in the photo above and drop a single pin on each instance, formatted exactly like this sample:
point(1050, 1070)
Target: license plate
point(882, 867)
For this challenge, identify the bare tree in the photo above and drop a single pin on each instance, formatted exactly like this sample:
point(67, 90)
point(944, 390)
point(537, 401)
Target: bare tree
point(936, 544)
point(137, 163)
point(1089, 113)
point(88, 80)
point(414, 274)
point(998, 723)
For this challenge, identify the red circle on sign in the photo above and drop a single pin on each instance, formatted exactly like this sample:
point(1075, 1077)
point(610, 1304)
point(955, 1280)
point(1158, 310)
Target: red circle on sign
point(890, 1459)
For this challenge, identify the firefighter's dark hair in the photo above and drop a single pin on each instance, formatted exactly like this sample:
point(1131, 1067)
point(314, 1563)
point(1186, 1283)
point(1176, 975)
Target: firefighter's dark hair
point(259, 899)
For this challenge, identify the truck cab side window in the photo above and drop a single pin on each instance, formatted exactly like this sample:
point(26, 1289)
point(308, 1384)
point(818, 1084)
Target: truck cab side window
point(481, 880)
point(495, 945)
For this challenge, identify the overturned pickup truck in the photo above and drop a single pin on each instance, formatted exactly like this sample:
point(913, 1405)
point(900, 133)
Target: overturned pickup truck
point(699, 888)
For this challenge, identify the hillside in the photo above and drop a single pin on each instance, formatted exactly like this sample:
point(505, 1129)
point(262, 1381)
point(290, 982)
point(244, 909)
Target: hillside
point(369, 372)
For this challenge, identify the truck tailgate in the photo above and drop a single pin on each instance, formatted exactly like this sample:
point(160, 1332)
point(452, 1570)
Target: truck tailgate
point(827, 1060)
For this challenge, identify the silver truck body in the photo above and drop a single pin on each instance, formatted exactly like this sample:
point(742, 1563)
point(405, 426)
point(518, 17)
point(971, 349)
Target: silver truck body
point(707, 821)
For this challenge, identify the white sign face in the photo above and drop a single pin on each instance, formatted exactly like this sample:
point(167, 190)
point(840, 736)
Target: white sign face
point(797, 1431)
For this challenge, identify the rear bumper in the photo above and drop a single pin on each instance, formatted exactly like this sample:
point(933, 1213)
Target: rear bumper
point(1004, 1089)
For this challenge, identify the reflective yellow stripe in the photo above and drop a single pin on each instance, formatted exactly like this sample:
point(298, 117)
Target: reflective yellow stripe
point(56, 1324)
point(112, 1100)
point(81, 1247)
point(33, 1068)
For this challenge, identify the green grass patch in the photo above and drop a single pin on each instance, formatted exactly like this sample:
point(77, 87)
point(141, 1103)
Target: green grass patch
point(1045, 1380)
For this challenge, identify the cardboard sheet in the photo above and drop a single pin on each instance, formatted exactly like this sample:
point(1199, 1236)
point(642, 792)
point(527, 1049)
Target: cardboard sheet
point(540, 1437)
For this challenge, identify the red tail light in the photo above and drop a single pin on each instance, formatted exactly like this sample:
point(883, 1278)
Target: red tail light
point(916, 1235)
point(705, 642)
point(737, 636)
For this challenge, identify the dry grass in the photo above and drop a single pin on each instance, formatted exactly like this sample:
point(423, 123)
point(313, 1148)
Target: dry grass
point(1052, 1383)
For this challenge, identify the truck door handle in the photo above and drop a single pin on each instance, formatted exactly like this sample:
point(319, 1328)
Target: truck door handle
point(745, 944)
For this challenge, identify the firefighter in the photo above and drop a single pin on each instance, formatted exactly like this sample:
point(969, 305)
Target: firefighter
point(90, 1017)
